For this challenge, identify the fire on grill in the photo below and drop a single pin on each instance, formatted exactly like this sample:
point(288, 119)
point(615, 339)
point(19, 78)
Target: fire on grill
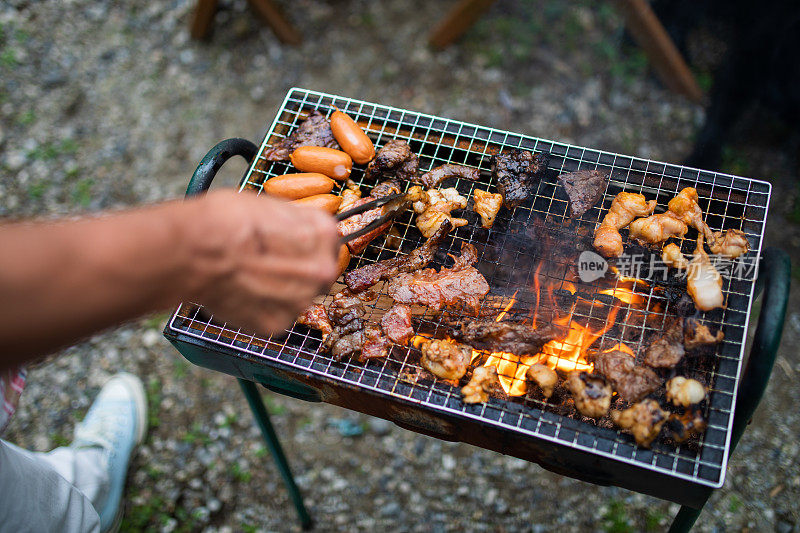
point(601, 349)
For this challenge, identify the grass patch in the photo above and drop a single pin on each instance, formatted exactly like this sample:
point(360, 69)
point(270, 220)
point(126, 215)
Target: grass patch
point(59, 440)
point(49, 151)
point(37, 190)
point(154, 398)
point(734, 503)
point(273, 407)
point(653, 519)
point(139, 517)
point(8, 58)
point(196, 435)
point(230, 420)
point(82, 192)
point(615, 519)
point(26, 118)
point(242, 476)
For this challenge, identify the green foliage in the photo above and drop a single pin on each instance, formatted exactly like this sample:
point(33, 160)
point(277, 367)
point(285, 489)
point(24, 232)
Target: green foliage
point(230, 420)
point(196, 435)
point(273, 407)
point(141, 517)
point(653, 519)
point(242, 476)
point(734, 503)
point(26, 118)
point(37, 190)
point(8, 58)
point(82, 192)
point(615, 519)
point(154, 398)
point(59, 440)
point(50, 151)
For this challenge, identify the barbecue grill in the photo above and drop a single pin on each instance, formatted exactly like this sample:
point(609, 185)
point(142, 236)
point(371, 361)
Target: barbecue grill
point(523, 426)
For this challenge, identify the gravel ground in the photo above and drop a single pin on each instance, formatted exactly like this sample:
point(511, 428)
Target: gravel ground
point(110, 104)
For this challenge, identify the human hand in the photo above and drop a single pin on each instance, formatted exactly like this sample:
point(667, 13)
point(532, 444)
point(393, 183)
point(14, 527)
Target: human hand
point(258, 261)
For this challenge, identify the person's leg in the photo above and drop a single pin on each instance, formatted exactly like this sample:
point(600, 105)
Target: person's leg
point(94, 466)
point(35, 497)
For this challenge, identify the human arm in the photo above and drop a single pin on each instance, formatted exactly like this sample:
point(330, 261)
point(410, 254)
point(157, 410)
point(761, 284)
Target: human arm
point(255, 261)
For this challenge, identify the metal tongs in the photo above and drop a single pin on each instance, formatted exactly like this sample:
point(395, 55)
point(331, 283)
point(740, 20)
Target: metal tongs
point(393, 205)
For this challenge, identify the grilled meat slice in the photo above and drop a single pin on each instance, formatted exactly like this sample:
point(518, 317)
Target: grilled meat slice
point(517, 172)
point(591, 393)
point(396, 323)
point(362, 220)
point(544, 376)
point(667, 350)
point(584, 188)
point(631, 382)
point(345, 308)
point(376, 345)
point(684, 426)
point(484, 383)
point(643, 420)
point(685, 392)
point(433, 178)
point(696, 335)
point(394, 160)
point(362, 278)
point(350, 335)
point(487, 205)
point(313, 131)
point(445, 359)
point(316, 317)
point(460, 284)
point(519, 339)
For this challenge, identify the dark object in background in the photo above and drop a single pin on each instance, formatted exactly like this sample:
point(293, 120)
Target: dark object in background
point(760, 65)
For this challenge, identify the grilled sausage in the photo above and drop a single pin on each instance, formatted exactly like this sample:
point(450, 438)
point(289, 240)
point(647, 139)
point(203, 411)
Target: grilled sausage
point(333, 163)
point(352, 138)
point(295, 186)
point(344, 258)
point(327, 202)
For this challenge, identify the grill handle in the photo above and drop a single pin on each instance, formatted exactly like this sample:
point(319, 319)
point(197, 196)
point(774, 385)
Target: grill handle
point(215, 158)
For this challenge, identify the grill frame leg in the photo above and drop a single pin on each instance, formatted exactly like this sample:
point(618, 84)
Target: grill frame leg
point(775, 278)
point(199, 184)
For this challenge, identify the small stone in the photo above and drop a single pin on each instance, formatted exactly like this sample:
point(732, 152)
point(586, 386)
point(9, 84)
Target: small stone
point(196, 484)
point(391, 509)
point(448, 462)
point(214, 505)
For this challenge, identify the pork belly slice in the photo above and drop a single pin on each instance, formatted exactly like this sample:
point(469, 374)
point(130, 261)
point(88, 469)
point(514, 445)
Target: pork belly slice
point(397, 325)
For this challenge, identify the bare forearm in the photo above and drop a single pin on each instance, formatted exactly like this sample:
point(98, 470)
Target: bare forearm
point(62, 281)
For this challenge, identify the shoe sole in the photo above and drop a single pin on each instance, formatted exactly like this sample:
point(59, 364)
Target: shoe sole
point(134, 385)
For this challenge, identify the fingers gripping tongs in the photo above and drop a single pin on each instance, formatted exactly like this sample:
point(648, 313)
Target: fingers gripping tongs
point(392, 206)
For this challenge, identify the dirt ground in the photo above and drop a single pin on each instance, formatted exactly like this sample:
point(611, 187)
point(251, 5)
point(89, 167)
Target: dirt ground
point(111, 104)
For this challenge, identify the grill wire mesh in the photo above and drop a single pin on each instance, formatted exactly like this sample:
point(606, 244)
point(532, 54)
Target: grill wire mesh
point(727, 202)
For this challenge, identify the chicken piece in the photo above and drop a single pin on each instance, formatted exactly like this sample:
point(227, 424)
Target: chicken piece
point(631, 382)
point(394, 160)
point(685, 392)
point(625, 207)
point(433, 178)
point(445, 359)
point(362, 278)
point(484, 383)
point(591, 393)
point(584, 188)
point(486, 204)
point(656, 229)
point(732, 243)
point(396, 323)
point(667, 350)
point(313, 131)
point(433, 207)
point(316, 317)
point(685, 208)
point(684, 426)
point(544, 376)
point(643, 420)
point(350, 195)
point(671, 256)
point(703, 282)
point(696, 335)
point(460, 284)
point(517, 173)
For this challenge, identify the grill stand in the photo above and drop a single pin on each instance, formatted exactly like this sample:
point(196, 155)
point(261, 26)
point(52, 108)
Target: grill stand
point(774, 277)
point(199, 184)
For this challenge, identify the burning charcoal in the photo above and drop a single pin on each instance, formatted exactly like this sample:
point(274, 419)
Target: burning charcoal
point(445, 359)
point(667, 350)
point(313, 131)
point(484, 382)
point(584, 188)
point(685, 392)
point(643, 420)
point(591, 393)
point(697, 335)
point(684, 426)
point(517, 173)
point(544, 376)
point(631, 382)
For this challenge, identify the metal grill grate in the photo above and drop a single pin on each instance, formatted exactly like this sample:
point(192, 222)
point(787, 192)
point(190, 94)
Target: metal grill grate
point(728, 202)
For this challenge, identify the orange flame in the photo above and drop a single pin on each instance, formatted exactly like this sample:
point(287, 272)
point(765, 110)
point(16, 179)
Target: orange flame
point(625, 295)
point(507, 307)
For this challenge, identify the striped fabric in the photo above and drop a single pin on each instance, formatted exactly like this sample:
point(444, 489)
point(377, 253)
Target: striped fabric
point(11, 384)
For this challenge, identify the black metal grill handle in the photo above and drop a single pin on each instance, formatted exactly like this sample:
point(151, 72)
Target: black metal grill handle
point(216, 157)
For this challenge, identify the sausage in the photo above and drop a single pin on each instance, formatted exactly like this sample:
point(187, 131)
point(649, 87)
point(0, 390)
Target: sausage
point(294, 186)
point(352, 138)
point(344, 258)
point(333, 163)
point(327, 202)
